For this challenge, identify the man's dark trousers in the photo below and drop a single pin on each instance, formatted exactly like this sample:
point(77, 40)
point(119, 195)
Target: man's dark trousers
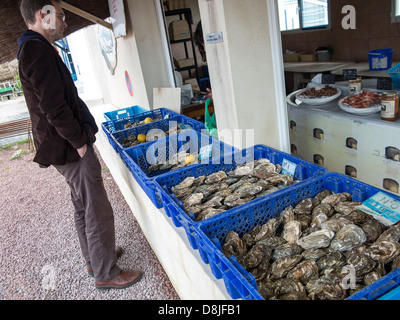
point(94, 217)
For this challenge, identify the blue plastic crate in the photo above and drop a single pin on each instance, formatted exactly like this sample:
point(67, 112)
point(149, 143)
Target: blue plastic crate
point(174, 208)
point(163, 125)
point(123, 113)
point(240, 283)
point(394, 73)
point(141, 157)
point(110, 127)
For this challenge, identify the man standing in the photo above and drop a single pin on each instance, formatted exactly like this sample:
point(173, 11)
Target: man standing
point(64, 132)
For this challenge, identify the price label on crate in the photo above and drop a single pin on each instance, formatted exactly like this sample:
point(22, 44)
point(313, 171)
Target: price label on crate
point(205, 152)
point(382, 207)
point(288, 167)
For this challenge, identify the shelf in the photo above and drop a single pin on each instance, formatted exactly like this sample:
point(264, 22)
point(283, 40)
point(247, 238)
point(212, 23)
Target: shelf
point(186, 68)
point(180, 41)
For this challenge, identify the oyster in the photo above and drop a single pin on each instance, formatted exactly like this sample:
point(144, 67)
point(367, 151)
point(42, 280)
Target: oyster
point(361, 263)
point(215, 201)
point(304, 271)
point(264, 170)
point(287, 215)
point(349, 237)
point(233, 245)
point(372, 229)
point(268, 229)
point(186, 183)
point(325, 288)
point(285, 286)
point(384, 251)
point(331, 260)
point(193, 200)
point(335, 224)
point(318, 219)
point(208, 213)
point(273, 242)
point(234, 200)
point(396, 263)
point(346, 207)
point(323, 208)
point(242, 170)
point(313, 254)
point(305, 206)
point(304, 219)
point(286, 250)
point(267, 289)
point(293, 296)
point(263, 268)
point(249, 237)
point(323, 194)
point(292, 231)
point(248, 189)
point(282, 266)
point(215, 177)
point(317, 239)
point(254, 257)
point(335, 198)
point(393, 233)
point(358, 217)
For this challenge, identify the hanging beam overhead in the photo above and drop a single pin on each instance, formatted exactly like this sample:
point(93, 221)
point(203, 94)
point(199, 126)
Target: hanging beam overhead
point(85, 15)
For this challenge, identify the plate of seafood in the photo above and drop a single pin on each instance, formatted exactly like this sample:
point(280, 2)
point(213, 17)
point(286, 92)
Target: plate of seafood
point(362, 103)
point(318, 95)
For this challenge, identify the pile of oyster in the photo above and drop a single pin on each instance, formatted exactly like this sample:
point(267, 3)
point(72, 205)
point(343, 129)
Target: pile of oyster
point(207, 196)
point(130, 124)
point(177, 161)
point(151, 135)
point(324, 248)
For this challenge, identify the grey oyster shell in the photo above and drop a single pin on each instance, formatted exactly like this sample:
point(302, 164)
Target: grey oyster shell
point(323, 194)
point(282, 266)
point(349, 237)
point(396, 263)
point(215, 177)
point(293, 296)
point(358, 217)
point(292, 231)
point(323, 208)
point(325, 288)
point(268, 229)
point(313, 254)
point(346, 207)
point(372, 229)
point(208, 213)
point(285, 286)
point(267, 289)
point(331, 260)
point(384, 251)
point(287, 215)
point(317, 239)
point(305, 206)
point(186, 183)
point(249, 237)
point(335, 224)
point(273, 242)
point(304, 271)
point(361, 263)
point(193, 200)
point(392, 233)
point(285, 250)
point(233, 245)
point(254, 257)
point(264, 170)
point(334, 199)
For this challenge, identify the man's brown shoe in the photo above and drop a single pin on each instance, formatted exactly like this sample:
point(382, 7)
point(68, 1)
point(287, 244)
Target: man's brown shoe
point(118, 251)
point(124, 280)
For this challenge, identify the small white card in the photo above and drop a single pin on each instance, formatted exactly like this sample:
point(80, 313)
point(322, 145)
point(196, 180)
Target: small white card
point(288, 167)
point(205, 152)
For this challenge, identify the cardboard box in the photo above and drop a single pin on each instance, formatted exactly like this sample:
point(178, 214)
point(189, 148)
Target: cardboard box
point(178, 30)
point(292, 57)
point(309, 57)
point(183, 63)
point(193, 82)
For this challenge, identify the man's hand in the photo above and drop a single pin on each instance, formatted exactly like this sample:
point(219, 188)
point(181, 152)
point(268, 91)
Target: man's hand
point(82, 150)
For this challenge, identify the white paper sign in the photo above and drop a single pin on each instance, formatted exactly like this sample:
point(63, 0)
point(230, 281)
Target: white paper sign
point(118, 21)
point(383, 208)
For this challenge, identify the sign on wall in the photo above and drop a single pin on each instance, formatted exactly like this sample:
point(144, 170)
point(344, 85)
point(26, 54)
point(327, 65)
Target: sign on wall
point(118, 21)
point(108, 47)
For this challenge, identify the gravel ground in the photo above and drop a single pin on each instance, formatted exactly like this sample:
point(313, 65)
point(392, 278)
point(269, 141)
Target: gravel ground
point(39, 248)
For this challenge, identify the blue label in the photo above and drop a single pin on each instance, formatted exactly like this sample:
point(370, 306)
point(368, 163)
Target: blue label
point(205, 152)
point(384, 207)
point(288, 167)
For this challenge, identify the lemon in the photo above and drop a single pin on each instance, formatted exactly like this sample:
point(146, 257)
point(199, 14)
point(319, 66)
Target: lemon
point(190, 159)
point(141, 137)
point(148, 120)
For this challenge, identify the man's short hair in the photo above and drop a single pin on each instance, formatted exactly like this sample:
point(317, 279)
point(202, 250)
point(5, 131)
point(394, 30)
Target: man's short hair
point(29, 8)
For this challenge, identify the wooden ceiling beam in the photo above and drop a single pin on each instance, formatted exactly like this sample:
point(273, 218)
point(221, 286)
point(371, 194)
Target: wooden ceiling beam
point(85, 15)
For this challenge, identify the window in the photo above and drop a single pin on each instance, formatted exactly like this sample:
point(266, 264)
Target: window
point(303, 14)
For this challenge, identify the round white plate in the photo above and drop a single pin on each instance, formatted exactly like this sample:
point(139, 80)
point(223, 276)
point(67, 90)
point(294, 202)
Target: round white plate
point(317, 101)
point(359, 111)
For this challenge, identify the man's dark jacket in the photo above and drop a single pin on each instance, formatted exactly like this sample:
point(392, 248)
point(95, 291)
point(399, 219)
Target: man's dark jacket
point(57, 113)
